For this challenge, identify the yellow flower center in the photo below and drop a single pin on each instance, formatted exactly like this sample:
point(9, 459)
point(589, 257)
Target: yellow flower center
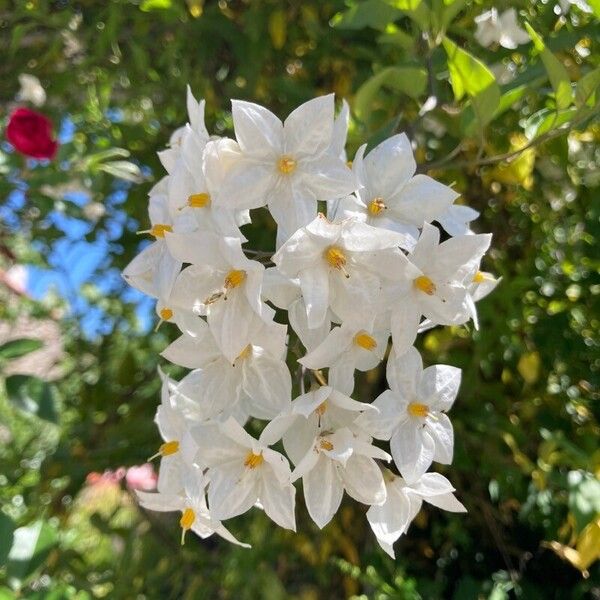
point(245, 353)
point(187, 520)
point(425, 284)
point(254, 460)
point(199, 200)
point(159, 230)
point(376, 206)
point(326, 445)
point(479, 277)
point(320, 410)
point(335, 256)
point(416, 409)
point(165, 314)
point(364, 340)
point(234, 279)
point(168, 448)
point(286, 165)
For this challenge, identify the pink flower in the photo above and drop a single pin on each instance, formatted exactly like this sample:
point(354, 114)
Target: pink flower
point(141, 477)
point(30, 133)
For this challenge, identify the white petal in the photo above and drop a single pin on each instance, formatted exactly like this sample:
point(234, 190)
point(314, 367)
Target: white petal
point(442, 433)
point(380, 424)
point(403, 373)
point(412, 449)
point(314, 283)
point(257, 130)
point(233, 490)
point(308, 129)
point(404, 324)
point(279, 501)
point(439, 386)
point(323, 491)
point(363, 480)
point(328, 178)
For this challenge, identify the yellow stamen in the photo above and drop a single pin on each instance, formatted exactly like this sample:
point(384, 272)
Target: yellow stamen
point(166, 449)
point(320, 410)
point(326, 445)
point(234, 279)
point(425, 284)
point(199, 200)
point(479, 277)
point(416, 409)
point(254, 460)
point(364, 340)
point(286, 165)
point(166, 314)
point(349, 164)
point(187, 520)
point(376, 206)
point(245, 353)
point(336, 258)
point(159, 230)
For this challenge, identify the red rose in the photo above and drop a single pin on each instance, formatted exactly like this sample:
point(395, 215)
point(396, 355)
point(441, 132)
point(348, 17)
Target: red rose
point(31, 134)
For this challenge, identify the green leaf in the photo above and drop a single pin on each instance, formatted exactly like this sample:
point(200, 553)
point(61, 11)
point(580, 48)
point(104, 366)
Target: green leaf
point(32, 395)
point(416, 10)
point(148, 5)
point(19, 347)
point(7, 528)
point(407, 80)
point(545, 120)
point(30, 548)
point(469, 76)
point(559, 78)
point(586, 88)
point(371, 13)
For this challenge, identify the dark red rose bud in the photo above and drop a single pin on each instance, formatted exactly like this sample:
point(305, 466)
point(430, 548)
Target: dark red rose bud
point(31, 134)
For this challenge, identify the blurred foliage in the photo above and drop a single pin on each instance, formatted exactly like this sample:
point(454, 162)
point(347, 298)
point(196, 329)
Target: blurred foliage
point(515, 131)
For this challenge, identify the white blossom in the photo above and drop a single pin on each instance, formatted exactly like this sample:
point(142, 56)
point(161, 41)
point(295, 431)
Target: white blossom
point(501, 29)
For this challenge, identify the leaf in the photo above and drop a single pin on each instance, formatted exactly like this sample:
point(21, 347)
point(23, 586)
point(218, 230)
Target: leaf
point(32, 395)
point(149, 5)
point(371, 13)
point(584, 497)
point(30, 548)
point(278, 28)
point(411, 81)
point(545, 120)
point(20, 347)
point(469, 76)
point(529, 367)
point(559, 78)
point(7, 528)
point(588, 545)
point(586, 88)
point(417, 10)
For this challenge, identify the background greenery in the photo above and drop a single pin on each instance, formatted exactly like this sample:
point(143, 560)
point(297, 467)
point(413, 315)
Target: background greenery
point(524, 153)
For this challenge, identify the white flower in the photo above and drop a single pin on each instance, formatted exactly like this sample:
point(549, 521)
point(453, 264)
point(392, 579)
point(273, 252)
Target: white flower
point(403, 502)
point(244, 471)
point(438, 279)
point(286, 166)
point(456, 218)
point(31, 90)
point(391, 195)
point(192, 504)
point(154, 270)
point(221, 283)
point(412, 413)
point(341, 265)
point(502, 29)
point(286, 294)
point(357, 344)
point(257, 383)
point(320, 410)
point(339, 461)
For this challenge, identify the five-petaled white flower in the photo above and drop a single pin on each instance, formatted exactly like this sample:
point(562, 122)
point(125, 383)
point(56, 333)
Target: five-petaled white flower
point(501, 29)
point(412, 413)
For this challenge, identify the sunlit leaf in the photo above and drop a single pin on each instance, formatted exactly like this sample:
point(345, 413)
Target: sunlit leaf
point(371, 13)
point(20, 347)
point(32, 395)
point(30, 547)
point(585, 91)
point(529, 367)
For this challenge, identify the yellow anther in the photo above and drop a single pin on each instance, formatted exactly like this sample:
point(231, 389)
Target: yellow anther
point(166, 314)
point(425, 284)
point(479, 277)
point(187, 520)
point(416, 409)
point(166, 449)
point(364, 340)
point(326, 445)
point(349, 164)
point(336, 258)
point(320, 410)
point(376, 206)
point(245, 353)
point(234, 279)
point(286, 165)
point(254, 460)
point(199, 200)
point(159, 230)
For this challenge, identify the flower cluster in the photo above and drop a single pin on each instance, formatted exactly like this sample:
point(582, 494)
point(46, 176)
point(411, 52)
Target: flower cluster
point(375, 267)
